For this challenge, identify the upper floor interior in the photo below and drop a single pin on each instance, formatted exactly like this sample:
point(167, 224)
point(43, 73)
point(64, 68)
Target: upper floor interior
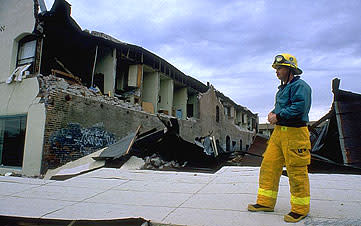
point(57, 45)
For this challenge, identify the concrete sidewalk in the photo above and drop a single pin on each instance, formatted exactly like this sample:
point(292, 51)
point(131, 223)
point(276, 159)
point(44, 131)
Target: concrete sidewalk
point(180, 198)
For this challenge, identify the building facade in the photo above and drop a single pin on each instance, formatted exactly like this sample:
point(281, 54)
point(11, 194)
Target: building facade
point(66, 92)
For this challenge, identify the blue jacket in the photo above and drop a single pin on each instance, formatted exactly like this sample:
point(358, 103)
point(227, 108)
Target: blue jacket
point(293, 103)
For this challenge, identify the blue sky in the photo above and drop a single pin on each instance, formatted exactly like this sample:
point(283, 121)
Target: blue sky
point(231, 44)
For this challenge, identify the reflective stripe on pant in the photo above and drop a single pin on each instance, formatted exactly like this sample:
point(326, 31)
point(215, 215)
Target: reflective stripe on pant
point(287, 146)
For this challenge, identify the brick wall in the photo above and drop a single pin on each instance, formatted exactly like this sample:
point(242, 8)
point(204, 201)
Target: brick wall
point(70, 118)
point(77, 126)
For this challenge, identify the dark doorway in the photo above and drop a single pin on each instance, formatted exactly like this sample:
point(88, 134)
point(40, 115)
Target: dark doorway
point(228, 143)
point(189, 110)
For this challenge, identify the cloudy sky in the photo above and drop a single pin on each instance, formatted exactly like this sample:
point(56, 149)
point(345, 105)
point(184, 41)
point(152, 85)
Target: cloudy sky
point(232, 43)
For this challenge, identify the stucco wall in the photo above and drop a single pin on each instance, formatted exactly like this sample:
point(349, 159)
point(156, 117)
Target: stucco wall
point(34, 140)
point(166, 95)
point(16, 20)
point(225, 127)
point(21, 98)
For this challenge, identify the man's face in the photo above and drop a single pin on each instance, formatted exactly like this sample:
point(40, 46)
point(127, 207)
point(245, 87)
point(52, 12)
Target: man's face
point(282, 73)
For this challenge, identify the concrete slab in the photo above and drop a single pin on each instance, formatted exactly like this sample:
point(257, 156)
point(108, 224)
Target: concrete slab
point(59, 193)
point(96, 211)
point(149, 175)
point(328, 221)
point(95, 183)
point(158, 186)
point(143, 198)
point(336, 194)
point(219, 201)
point(325, 183)
point(208, 217)
point(13, 188)
point(181, 198)
point(24, 180)
point(26, 207)
point(335, 209)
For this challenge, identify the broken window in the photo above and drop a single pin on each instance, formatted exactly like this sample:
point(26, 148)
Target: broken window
point(12, 140)
point(217, 114)
point(26, 52)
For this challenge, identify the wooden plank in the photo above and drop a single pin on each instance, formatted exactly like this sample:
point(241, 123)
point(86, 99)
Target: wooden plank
point(55, 72)
point(139, 75)
point(132, 142)
point(214, 146)
point(62, 65)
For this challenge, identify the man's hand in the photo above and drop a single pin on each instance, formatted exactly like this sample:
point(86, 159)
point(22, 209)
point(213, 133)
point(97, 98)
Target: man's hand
point(272, 118)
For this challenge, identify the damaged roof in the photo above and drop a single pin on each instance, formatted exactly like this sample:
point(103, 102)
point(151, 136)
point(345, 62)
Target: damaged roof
point(347, 107)
point(57, 23)
point(59, 27)
point(338, 140)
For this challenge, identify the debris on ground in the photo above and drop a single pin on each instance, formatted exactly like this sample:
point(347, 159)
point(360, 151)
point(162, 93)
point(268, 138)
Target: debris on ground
point(52, 83)
point(77, 167)
point(134, 163)
point(156, 162)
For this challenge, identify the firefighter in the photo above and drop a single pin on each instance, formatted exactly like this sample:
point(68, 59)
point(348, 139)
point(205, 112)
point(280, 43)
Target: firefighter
point(289, 143)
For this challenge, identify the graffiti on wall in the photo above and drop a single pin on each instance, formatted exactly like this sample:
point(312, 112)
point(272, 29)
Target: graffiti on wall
point(74, 141)
point(2, 28)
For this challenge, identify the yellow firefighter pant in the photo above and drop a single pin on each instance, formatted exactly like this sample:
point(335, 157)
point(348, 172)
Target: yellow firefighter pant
point(288, 146)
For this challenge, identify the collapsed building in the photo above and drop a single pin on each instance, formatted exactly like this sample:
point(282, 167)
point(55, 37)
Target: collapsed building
point(67, 92)
point(336, 137)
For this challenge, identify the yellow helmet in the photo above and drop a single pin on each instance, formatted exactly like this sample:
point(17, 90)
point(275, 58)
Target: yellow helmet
point(288, 60)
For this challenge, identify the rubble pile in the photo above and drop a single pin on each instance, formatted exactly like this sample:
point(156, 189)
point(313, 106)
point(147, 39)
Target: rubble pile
point(156, 162)
point(52, 83)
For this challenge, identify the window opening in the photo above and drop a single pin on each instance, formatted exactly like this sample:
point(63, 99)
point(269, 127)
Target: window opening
point(12, 140)
point(189, 110)
point(26, 52)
